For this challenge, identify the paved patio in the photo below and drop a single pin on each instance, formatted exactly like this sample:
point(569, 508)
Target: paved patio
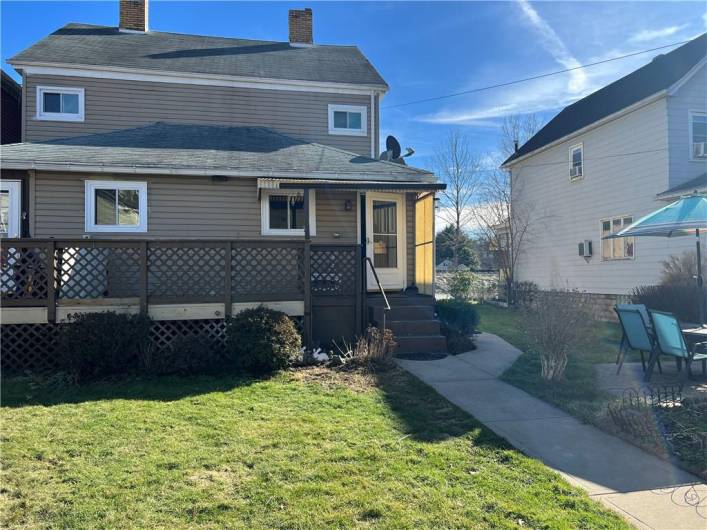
point(647, 491)
point(631, 376)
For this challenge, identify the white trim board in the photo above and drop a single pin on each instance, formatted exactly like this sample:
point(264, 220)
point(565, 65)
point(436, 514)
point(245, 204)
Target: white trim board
point(38, 315)
point(135, 74)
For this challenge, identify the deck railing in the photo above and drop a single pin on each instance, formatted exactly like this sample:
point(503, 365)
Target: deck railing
point(48, 272)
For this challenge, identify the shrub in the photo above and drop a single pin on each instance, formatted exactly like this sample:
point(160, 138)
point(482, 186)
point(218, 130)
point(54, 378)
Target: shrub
point(374, 350)
point(555, 323)
point(186, 355)
point(681, 300)
point(459, 320)
point(94, 345)
point(524, 293)
point(460, 284)
point(458, 315)
point(680, 270)
point(262, 340)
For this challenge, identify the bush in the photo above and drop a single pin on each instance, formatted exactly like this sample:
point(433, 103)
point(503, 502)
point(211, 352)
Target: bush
point(681, 300)
point(556, 323)
point(94, 345)
point(186, 355)
point(681, 270)
point(262, 340)
point(458, 315)
point(374, 350)
point(460, 284)
point(459, 320)
point(524, 293)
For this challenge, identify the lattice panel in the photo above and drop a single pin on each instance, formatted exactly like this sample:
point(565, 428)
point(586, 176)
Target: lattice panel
point(83, 273)
point(334, 271)
point(186, 272)
point(23, 273)
point(164, 332)
point(28, 347)
point(267, 271)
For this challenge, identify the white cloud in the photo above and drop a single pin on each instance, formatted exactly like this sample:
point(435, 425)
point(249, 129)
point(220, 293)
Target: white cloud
point(554, 45)
point(647, 35)
point(704, 19)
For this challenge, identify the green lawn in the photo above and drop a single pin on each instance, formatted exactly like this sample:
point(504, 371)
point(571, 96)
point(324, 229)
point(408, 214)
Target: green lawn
point(577, 393)
point(282, 453)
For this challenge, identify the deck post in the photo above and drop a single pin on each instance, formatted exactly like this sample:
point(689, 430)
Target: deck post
point(307, 320)
point(51, 286)
point(143, 277)
point(359, 290)
point(228, 296)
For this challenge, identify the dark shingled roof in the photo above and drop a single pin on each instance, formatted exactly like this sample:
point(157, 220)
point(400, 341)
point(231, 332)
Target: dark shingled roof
point(199, 149)
point(84, 44)
point(660, 74)
point(686, 187)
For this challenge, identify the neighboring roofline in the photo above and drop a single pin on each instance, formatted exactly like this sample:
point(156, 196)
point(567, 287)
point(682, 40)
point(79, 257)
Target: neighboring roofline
point(678, 84)
point(191, 78)
point(670, 91)
point(14, 87)
point(598, 123)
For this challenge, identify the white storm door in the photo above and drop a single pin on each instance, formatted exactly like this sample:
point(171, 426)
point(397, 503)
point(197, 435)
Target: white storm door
point(385, 239)
point(10, 208)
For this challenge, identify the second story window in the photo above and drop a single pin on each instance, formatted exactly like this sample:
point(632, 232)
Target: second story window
point(576, 162)
point(348, 120)
point(60, 103)
point(698, 135)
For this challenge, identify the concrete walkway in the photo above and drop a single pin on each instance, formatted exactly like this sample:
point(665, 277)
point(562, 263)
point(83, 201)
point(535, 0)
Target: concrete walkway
point(647, 491)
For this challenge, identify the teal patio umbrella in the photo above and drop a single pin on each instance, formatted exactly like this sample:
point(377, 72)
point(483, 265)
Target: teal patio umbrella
point(684, 217)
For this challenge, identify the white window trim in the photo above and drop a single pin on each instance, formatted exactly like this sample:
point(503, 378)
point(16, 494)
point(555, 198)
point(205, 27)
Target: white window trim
point(90, 205)
point(265, 214)
point(58, 116)
point(363, 131)
point(601, 235)
point(690, 152)
point(574, 147)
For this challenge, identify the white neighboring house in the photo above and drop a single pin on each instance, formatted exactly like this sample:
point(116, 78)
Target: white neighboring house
point(605, 161)
point(447, 265)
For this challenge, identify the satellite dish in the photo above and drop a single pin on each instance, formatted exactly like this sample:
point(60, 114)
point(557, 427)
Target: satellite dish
point(391, 144)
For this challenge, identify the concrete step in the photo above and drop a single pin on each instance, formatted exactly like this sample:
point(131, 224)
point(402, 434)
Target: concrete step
point(421, 344)
point(397, 300)
point(413, 312)
point(402, 328)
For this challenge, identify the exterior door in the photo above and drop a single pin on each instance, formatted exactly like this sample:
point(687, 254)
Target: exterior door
point(385, 239)
point(10, 208)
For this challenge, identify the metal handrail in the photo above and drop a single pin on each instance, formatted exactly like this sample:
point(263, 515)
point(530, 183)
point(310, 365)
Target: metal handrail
point(380, 288)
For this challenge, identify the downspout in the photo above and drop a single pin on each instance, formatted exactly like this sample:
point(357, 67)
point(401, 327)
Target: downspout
point(373, 124)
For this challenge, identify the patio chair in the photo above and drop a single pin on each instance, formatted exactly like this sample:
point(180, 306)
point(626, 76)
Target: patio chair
point(637, 333)
point(671, 341)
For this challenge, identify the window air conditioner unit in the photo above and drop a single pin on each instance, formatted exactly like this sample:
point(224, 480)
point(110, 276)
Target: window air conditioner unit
point(585, 248)
point(575, 172)
point(699, 149)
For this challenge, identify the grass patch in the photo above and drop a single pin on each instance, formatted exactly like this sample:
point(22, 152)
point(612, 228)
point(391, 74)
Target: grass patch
point(285, 452)
point(578, 393)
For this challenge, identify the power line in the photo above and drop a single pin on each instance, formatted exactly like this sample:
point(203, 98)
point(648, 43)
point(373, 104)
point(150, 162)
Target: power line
point(540, 76)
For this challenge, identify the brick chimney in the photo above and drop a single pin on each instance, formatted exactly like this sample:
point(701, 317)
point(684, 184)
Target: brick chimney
point(133, 15)
point(300, 21)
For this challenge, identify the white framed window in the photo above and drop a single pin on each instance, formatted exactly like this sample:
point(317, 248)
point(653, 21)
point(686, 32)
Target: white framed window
point(576, 162)
point(698, 135)
point(350, 120)
point(282, 213)
point(115, 206)
point(621, 247)
point(60, 103)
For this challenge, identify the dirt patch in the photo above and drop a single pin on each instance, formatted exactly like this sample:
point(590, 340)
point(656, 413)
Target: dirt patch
point(353, 378)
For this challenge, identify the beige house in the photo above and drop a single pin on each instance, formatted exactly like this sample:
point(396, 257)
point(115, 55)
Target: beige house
point(190, 177)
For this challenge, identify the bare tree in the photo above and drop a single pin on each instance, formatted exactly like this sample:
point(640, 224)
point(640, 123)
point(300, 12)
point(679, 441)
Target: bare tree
point(503, 219)
point(458, 167)
point(517, 129)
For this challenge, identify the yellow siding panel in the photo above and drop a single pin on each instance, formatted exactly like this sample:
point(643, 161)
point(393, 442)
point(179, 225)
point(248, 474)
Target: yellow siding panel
point(424, 244)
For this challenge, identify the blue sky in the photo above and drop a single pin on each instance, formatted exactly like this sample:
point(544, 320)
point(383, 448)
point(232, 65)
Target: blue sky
point(426, 49)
